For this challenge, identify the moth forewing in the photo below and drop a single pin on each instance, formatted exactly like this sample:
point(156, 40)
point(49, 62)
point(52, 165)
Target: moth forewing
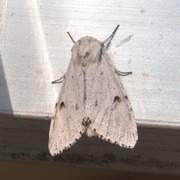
point(92, 100)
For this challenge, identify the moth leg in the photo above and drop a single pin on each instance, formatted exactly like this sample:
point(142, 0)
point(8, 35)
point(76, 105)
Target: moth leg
point(60, 80)
point(110, 37)
point(122, 73)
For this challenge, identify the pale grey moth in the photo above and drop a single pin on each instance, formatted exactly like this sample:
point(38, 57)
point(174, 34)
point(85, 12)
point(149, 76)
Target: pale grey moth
point(92, 99)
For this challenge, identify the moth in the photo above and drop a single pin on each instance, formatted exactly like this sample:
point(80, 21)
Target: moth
point(92, 99)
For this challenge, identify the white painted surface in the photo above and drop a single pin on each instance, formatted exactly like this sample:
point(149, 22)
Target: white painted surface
point(35, 50)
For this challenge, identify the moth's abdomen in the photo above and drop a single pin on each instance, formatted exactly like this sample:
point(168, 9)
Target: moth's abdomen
point(86, 50)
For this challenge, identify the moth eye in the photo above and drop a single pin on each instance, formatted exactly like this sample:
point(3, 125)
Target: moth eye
point(117, 99)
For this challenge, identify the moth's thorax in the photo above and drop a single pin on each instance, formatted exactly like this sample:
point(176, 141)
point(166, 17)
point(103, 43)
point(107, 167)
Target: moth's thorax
point(87, 50)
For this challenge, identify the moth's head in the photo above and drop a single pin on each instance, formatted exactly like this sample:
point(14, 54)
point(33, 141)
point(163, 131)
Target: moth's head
point(87, 49)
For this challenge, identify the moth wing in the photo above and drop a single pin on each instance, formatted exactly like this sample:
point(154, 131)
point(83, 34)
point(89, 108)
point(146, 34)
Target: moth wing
point(110, 110)
point(66, 126)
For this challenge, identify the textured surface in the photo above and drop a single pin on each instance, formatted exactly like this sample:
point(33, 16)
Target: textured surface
point(29, 171)
point(35, 50)
point(157, 150)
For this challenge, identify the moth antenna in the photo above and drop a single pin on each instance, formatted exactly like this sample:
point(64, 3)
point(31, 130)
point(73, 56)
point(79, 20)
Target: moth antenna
point(71, 37)
point(110, 37)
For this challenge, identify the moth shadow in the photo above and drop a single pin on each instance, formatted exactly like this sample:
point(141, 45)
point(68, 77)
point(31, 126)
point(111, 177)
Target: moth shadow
point(92, 150)
point(5, 101)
